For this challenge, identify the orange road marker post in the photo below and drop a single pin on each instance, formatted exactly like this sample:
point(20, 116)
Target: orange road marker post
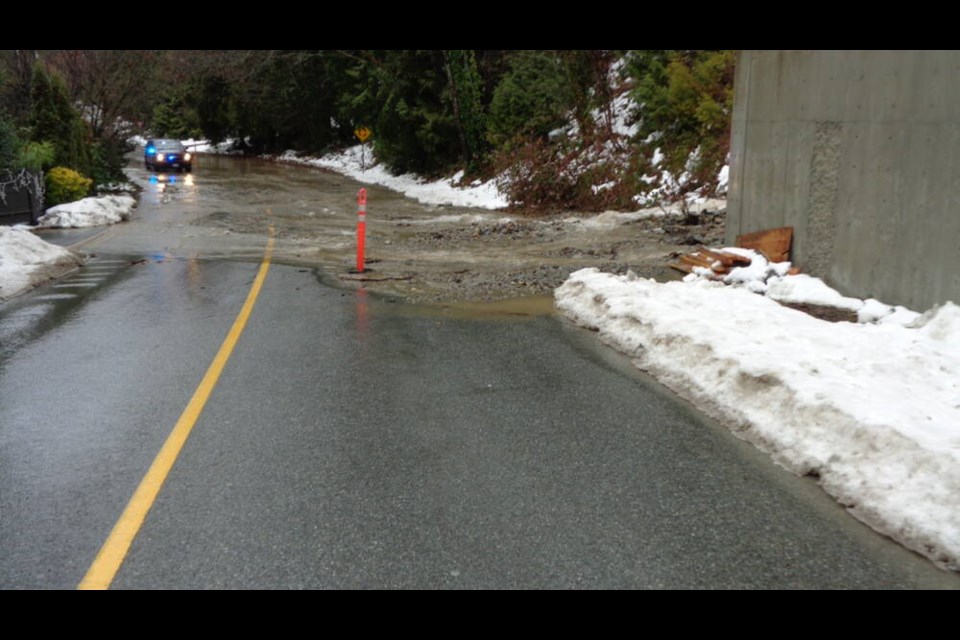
point(361, 228)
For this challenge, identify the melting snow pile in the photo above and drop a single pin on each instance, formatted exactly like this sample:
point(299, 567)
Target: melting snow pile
point(872, 409)
point(89, 212)
point(26, 260)
point(771, 279)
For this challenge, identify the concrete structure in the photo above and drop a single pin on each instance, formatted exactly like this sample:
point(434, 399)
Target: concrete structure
point(859, 151)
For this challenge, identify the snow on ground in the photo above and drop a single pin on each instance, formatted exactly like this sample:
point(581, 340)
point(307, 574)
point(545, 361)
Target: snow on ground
point(89, 212)
point(444, 192)
point(622, 114)
point(26, 261)
point(625, 123)
point(609, 220)
point(669, 187)
point(205, 146)
point(771, 279)
point(723, 179)
point(460, 219)
point(871, 409)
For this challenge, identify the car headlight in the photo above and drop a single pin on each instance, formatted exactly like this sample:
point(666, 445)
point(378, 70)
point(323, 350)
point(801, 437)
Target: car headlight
point(186, 157)
point(159, 157)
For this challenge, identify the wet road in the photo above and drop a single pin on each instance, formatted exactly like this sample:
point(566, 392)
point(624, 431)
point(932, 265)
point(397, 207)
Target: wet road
point(353, 442)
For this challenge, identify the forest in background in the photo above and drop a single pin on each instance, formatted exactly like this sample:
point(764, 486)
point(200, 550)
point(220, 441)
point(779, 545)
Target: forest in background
point(549, 120)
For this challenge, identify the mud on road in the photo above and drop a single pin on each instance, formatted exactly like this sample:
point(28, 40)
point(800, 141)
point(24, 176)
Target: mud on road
point(448, 255)
point(419, 253)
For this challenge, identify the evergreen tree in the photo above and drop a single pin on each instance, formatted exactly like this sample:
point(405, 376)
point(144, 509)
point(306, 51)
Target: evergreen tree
point(466, 91)
point(531, 100)
point(172, 118)
point(9, 144)
point(53, 119)
point(214, 112)
point(415, 126)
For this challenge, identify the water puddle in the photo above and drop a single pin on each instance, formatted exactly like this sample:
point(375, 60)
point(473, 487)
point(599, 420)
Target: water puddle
point(528, 307)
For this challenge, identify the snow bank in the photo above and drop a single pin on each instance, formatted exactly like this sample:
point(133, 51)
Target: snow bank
point(444, 192)
point(89, 212)
point(26, 261)
point(807, 289)
point(873, 410)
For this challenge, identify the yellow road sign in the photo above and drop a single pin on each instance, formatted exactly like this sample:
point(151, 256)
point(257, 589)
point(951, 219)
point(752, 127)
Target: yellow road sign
point(362, 133)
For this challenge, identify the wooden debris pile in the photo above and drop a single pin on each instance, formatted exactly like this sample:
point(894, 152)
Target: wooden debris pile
point(773, 244)
point(715, 260)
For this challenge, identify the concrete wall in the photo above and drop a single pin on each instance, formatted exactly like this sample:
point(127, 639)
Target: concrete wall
point(859, 151)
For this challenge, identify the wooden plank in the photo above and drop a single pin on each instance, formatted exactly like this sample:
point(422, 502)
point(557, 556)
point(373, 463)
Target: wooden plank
point(774, 244)
point(698, 261)
point(726, 259)
point(717, 256)
point(691, 261)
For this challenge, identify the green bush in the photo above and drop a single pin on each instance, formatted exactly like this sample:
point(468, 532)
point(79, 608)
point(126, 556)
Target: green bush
point(108, 161)
point(65, 185)
point(36, 155)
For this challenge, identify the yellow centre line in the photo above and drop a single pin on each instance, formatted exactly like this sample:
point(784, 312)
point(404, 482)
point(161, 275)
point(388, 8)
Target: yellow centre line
point(114, 550)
